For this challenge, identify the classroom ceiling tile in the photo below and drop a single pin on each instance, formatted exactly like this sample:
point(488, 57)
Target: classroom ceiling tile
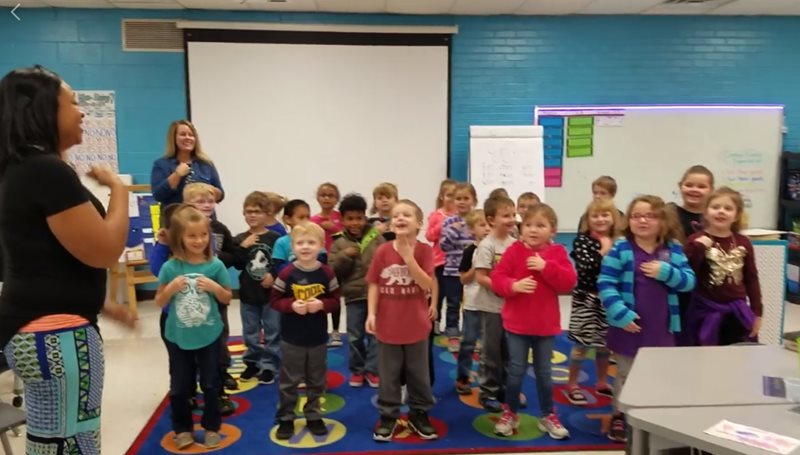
point(146, 4)
point(686, 7)
point(77, 3)
point(212, 4)
point(281, 5)
point(759, 7)
point(549, 7)
point(618, 6)
point(28, 4)
point(352, 6)
point(486, 8)
point(419, 6)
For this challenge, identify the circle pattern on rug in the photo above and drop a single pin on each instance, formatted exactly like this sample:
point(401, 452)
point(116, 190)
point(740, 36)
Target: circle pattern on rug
point(303, 439)
point(594, 400)
point(440, 341)
point(333, 380)
point(560, 375)
point(230, 434)
point(448, 357)
point(404, 434)
point(590, 422)
point(558, 357)
point(471, 400)
point(329, 403)
point(528, 427)
point(241, 405)
point(335, 360)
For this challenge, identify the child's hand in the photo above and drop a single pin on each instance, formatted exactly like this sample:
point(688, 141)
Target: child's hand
point(405, 248)
point(705, 241)
point(651, 269)
point(432, 312)
point(457, 225)
point(207, 285)
point(605, 245)
point(177, 284)
point(327, 225)
point(633, 327)
point(536, 263)
point(351, 251)
point(524, 286)
point(370, 324)
point(163, 236)
point(300, 307)
point(267, 281)
point(314, 305)
point(381, 227)
point(249, 241)
point(756, 327)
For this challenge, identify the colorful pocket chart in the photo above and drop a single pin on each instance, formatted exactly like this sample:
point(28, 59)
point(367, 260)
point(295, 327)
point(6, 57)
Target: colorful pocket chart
point(580, 132)
point(553, 150)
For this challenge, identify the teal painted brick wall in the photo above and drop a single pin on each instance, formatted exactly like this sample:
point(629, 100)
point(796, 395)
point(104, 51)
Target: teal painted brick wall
point(501, 66)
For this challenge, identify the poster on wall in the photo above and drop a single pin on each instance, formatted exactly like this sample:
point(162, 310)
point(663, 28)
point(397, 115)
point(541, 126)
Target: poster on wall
point(99, 131)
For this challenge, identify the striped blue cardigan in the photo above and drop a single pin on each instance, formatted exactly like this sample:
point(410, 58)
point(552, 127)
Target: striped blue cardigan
point(615, 283)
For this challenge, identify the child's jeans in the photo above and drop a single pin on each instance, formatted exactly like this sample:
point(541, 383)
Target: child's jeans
point(257, 316)
point(472, 330)
point(182, 366)
point(363, 355)
point(518, 346)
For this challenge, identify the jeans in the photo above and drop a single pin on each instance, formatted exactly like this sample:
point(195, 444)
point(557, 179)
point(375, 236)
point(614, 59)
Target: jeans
point(182, 366)
point(363, 352)
point(518, 346)
point(257, 316)
point(472, 330)
point(453, 290)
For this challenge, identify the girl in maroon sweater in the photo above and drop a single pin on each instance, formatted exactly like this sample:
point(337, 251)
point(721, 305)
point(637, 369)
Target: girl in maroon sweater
point(727, 278)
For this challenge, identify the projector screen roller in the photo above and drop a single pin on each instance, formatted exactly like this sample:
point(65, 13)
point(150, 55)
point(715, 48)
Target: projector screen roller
point(288, 117)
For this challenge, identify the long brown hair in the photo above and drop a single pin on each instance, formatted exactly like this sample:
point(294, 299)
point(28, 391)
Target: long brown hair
point(601, 206)
point(183, 216)
point(738, 201)
point(442, 187)
point(172, 149)
point(670, 226)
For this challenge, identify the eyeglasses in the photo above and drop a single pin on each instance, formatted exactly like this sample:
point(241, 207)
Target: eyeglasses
point(643, 216)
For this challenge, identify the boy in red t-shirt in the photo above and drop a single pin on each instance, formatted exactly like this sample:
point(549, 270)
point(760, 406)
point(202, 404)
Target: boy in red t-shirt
point(400, 279)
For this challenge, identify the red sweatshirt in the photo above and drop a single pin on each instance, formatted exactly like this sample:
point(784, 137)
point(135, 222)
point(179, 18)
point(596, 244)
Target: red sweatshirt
point(537, 313)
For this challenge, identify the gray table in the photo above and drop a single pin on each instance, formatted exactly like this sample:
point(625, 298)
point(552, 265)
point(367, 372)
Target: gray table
point(687, 426)
point(705, 376)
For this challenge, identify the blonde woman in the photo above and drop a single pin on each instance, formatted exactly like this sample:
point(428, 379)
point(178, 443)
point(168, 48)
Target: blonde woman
point(183, 162)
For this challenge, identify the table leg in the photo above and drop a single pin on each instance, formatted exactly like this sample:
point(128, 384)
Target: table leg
point(130, 282)
point(637, 442)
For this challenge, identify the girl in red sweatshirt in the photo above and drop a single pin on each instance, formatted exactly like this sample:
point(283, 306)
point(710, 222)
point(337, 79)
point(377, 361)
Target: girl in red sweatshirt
point(529, 277)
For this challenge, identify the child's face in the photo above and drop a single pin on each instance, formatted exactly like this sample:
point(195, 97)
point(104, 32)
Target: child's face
point(405, 221)
point(327, 198)
point(464, 202)
point(721, 213)
point(448, 198)
point(255, 217)
point(644, 223)
point(601, 222)
point(600, 193)
point(306, 247)
point(354, 222)
point(525, 204)
point(195, 238)
point(503, 221)
point(385, 203)
point(537, 231)
point(205, 204)
point(480, 229)
point(300, 214)
point(695, 188)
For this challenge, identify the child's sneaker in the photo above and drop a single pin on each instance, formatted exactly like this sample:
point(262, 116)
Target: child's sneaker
point(618, 431)
point(373, 380)
point(184, 440)
point(576, 397)
point(317, 427)
point(385, 429)
point(523, 400)
point(226, 406)
point(605, 391)
point(249, 373)
point(335, 340)
point(212, 440)
point(356, 380)
point(507, 423)
point(553, 427)
point(453, 344)
point(491, 405)
point(285, 430)
point(229, 382)
point(266, 377)
point(421, 424)
point(463, 387)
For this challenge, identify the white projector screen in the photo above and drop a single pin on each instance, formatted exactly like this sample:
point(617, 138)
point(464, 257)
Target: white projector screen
point(287, 117)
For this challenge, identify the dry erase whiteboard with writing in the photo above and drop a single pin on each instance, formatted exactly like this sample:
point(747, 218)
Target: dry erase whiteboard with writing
point(647, 149)
point(506, 156)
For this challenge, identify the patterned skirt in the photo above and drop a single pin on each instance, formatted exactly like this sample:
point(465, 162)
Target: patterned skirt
point(63, 375)
point(587, 322)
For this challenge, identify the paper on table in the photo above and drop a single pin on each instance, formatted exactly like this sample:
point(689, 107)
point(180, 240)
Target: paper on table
point(754, 437)
point(133, 206)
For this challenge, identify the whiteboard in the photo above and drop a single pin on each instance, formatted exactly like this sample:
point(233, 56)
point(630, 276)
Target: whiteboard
point(648, 148)
point(510, 157)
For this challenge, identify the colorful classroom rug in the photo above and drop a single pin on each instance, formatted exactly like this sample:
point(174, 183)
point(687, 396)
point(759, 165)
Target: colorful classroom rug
point(351, 413)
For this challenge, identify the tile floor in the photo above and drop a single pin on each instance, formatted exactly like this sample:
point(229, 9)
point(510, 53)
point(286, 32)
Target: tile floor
point(137, 379)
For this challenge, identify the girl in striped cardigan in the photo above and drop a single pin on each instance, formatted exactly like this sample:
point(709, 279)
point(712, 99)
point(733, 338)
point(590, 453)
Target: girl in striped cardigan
point(638, 285)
